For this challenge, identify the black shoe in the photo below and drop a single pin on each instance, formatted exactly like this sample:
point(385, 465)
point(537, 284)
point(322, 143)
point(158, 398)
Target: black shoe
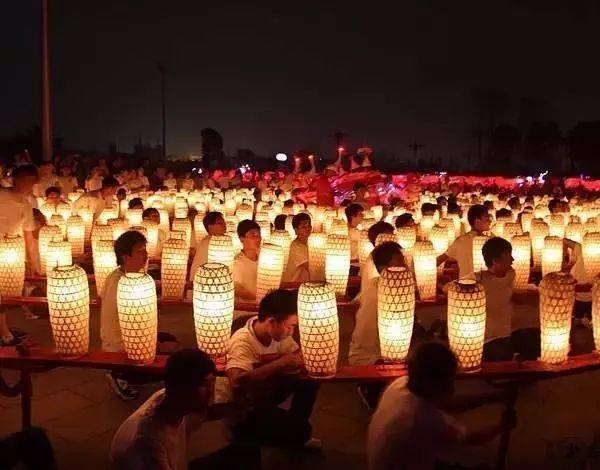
point(121, 388)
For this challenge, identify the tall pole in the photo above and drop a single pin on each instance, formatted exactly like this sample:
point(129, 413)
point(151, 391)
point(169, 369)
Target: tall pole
point(46, 99)
point(163, 93)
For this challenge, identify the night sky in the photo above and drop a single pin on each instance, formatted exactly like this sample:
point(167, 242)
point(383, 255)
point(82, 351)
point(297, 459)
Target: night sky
point(283, 76)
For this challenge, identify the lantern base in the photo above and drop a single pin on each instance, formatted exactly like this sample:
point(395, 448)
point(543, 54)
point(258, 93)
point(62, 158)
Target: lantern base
point(321, 375)
point(470, 370)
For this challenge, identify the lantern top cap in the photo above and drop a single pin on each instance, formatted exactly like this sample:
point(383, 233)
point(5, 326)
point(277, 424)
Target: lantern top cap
point(135, 275)
point(213, 266)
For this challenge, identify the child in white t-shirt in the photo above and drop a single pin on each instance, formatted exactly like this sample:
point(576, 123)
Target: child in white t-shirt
point(245, 263)
point(354, 216)
point(214, 223)
point(296, 269)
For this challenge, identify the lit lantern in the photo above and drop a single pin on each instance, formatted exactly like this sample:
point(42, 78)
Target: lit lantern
point(364, 246)
point(76, 234)
point(526, 219)
point(231, 222)
point(12, 266)
point(59, 222)
point(244, 212)
point(466, 322)
point(457, 224)
point(539, 231)
point(395, 312)
point(138, 316)
point(270, 269)
point(107, 213)
point(478, 261)
point(173, 271)
point(59, 254)
point(105, 262)
point(557, 298)
point(151, 237)
point(596, 311)
point(556, 226)
point(88, 220)
point(101, 232)
point(181, 210)
point(406, 238)
point(283, 239)
point(498, 228)
point(183, 225)
point(317, 243)
point(385, 237)
point(512, 229)
point(438, 236)
point(425, 269)
point(521, 252)
point(230, 206)
point(448, 224)
point(164, 220)
point(265, 230)
point(69, 309)
point(591, 255)
point(140, 229)
point(339, 227)
point(220, 250)
point(337, 262)
point(574, 231)
point(64, 210)
point(367, 223)
point(213, 308)
point(199, 229)
point(377, 212)
point(48, 210)
point(46, 235)
point(425, 225)
point(552, 255)
point(319, 328)
point(134, 216)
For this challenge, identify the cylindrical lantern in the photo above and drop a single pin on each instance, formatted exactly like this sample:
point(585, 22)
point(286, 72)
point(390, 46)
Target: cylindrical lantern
point(270, 269)
point(283, 239)
point(244, 212)
point(183, 225)
point(220, 250)
point(319, 328)
point(59, 254)
point(265, 230)
point(557, 297)
point(119, 227)
point(552, 255)
point(59, 222)
point(512, 229)
point(395, 312)
point(539, 231)
point(478, 261)
point(88, 220)
point(425, 269)
point(76, 234)
point(151, 237)
point(337, 262)
point(526, 219)
point(317, 243)
point(521, 252)
point(12, 266)
point(406, 238)
point(105, 262)
point(63, 209)
point(596, 311)
point(385, 237)
point(101, 232)
point(591, 255)
point(438, 236)
point(556, 226)
point(199, 229)
point(574, 231)
point(69, 308)
point(134, 216)
point(213, 308)
point(47, 234)
point(425, 225)
point(174, 268)
point(466, 322)
point(365, 247)
point(138, 316)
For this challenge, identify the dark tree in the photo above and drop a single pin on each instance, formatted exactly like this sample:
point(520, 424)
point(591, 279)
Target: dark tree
point(212, 150)
point(584, 147)
point(504, 146)
point(542, 146)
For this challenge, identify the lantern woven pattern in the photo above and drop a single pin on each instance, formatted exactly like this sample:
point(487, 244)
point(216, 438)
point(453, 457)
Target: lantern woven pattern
point(134, 216)
point(76, 234)
point(12, 266)
point(283, 239)
point(270, 269)
point(105, 262)
point(438, 236)
point(556, 226)
point(220, 250)
point(552, 255)
point(385, 237)
point(173, 270)
point(557, 297)
point(316, 256)
point(596, 311)
point(337, 262)
point(521, 251)
point(511, 230)
point(539, 231)
point(69, 308)
point(59, 222)
point(466, 322)
point(138, 316)
point(183, 225)
point(199, 229)
point(364, 247)
point(319, 328)
point(59, 254)
point(425, 225)
point(425, 269)
point(213, 308)
point(591, 255)
point(406, 237)
point(101, 232)
point(395, 312)
point(478, 261)
point(47, 234)
point(574, 231)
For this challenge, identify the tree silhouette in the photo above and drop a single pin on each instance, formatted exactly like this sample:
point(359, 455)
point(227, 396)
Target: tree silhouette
point(505, 142)
point(542, 145)
point(584, 147)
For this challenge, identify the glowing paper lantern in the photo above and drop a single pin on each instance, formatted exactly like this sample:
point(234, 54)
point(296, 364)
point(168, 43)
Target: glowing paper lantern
point(425, 269)
point(574, 231)
point(265, 230)
point(339, 227)
point(364, 247)
point(134, 216)
point(406, 238)
point(119, 227)
point(596, 311)
point(319, 328)
point(385, 237)
point(101, 232)
point(69, 308)
point(512, 229)
point(521, 252)
point(337, 262)
point(270, 269)
point(76, 234)
point(138, 316)
point(64, 210)
point(46, 235)
point(105, 262)
point(199, 229)
point(526, 219)
point(317, 243)
point(151, 237)
point(557, 297)
point(425, 225)
point(591, 255)
point(244, 212)
point(438, 236)
point(183, 225)
point(552, 255)
point(59, 222)
point(539, 231)
point(220, 250)
point(48, 210)
point(395, 312)
point(213, 308)
point(88, 220)
point(283, 239)
point(59, 254)
point(556, 226)
point(478, 261)
point(12, 266)
point(173, 270)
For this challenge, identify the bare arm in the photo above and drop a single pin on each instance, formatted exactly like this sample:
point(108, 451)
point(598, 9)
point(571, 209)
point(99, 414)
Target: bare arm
point(441, 259)
point(31, 248)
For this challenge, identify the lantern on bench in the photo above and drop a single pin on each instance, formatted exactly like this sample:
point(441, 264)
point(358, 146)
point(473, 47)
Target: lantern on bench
point(316, 256)
point(521, 252)
point(174, 263)
point(557, 298)
point(220, 250)
point(270, 269)
point(591, 255)
point(337, 262)
point(12, 266)
point(596, 311)
point(425, 269)
point(69, 308)
point(552, 255)
point(105, 262)
point(76, 234)
point(319, 328)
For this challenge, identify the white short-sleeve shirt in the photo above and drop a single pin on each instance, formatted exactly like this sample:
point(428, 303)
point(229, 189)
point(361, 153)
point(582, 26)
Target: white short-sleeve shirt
point(462, 251)
point(294, 271)
point(16, 213)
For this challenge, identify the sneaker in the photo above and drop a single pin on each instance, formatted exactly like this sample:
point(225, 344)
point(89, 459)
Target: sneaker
point(122, 388)
point(313, 445)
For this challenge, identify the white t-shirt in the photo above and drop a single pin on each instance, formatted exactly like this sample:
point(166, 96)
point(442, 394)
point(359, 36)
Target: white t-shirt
point(201, 256)
point(45, 182)
point(145, 442)
point(93, 201)
point(16, 213)
point(462, 251)
point(368, 271)
point(110, 330)
point(298, 255)
point(244, 275)
point(364, 345)
point(407, 432)
point(245, 351)
point(498, 303)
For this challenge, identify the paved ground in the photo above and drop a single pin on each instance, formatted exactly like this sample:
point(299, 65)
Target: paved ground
point(81, 414)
